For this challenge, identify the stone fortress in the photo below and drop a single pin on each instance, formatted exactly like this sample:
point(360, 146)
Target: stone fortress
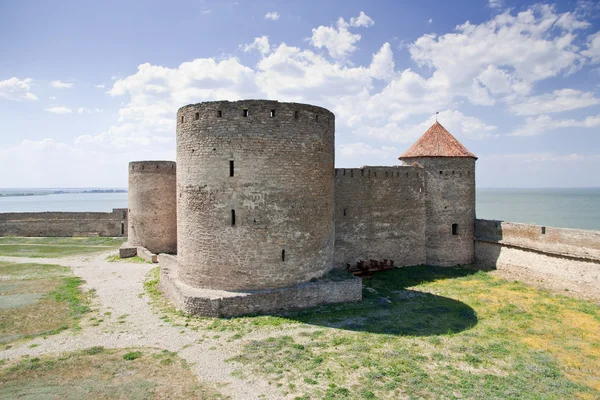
point(261, 219)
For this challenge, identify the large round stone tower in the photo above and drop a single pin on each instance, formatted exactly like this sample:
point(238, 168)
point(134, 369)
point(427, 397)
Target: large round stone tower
point(255, 182)
point(152, 206)
point(449, 196)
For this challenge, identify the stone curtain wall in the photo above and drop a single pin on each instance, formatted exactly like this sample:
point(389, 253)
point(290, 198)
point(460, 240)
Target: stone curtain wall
point(64, 223)
point(449, 200)
point(152, 206)
point(379, 214)
point(557, 258)
point(254, 194)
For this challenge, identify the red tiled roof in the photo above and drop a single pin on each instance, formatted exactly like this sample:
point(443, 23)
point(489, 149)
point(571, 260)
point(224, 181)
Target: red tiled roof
point(437, 142)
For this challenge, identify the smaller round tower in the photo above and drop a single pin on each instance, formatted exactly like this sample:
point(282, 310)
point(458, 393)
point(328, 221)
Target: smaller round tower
point(449, 196)
point(153, 206)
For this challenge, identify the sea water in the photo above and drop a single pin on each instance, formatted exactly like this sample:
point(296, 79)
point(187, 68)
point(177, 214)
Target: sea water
point(565, 208)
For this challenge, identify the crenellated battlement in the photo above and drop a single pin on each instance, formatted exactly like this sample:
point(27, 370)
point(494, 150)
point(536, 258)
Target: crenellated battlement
point(152, 166)
point(376, 172)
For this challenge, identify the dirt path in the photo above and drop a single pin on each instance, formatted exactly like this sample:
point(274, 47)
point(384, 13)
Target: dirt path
point(119, 289)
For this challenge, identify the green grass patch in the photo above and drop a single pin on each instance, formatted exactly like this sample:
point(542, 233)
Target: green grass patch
point(427, 332)
point(38, 300)
point(98, 373)
point(134, 260)
point(56, 247)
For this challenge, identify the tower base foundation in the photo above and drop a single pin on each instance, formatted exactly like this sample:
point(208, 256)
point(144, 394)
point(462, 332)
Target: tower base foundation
point(221, 303)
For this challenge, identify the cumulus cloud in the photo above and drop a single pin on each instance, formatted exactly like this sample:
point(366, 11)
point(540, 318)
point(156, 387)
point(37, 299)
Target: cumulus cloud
point(593, 48)
point(362, 20)
point(508, 53)
point(59, 110)
point(543, 124)
point(339, 41)
point(273, 16)
point(557, 101)
point(61, 85)
point(17, 89)
point(261, 44)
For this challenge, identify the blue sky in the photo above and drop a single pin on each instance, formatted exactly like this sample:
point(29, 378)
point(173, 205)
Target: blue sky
point(86, 87)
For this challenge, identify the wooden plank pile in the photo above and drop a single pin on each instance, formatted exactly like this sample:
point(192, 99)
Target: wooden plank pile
point(366, 269)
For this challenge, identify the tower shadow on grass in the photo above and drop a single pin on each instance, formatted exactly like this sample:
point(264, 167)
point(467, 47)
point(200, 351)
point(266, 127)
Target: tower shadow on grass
point(388, 307)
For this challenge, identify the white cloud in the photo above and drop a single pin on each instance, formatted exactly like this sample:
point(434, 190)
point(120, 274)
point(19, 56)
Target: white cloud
point(52, 98)
point(59, 110)
point(273, 16)
point(340, 42)
point(362, 20)
point(101, 86)
point(260, 43)
point(495, 3)
point(17, 89)
point(430, 20)
point(508, 53)
point(534, 126)
point(557, 101)
point(593, 48)
point(61, 85)
point(382, 66)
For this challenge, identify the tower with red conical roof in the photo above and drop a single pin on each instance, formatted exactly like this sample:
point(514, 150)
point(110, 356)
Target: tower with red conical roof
point(449, 195)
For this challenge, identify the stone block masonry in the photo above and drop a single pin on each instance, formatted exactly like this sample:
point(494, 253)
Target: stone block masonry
point(556, 258)
point(380, 214)
point(221, 303)
point(110, 224)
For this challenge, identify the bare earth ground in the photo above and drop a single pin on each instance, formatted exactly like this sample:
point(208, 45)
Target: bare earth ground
point(120, 292)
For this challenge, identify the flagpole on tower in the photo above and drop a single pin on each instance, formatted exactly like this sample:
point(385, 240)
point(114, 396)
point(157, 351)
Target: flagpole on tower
point(436, 114)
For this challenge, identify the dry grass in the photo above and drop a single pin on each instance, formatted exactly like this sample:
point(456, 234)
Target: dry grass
point(38, 300)
point(97, 373)
point(56, 247)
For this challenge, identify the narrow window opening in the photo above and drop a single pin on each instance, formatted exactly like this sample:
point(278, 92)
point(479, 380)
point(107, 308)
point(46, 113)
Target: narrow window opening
point(282, 255)
point(232, 217)
point(219, 114)
point(197, 116)
point(386, 174)
point(375, 174)
point(407, 174)
point(245, 112)
point(122, 228)
point(295, 114)
point(272, 113)
point(317, 118)
point(182, 119)
point(398, 174)
point(344, 212)
point(362, 171)
point(351, 173)
point(157, 167)
point(441, 172)
point(543, 230)
point(454, 229)
point(344, 172)
point(230, 168)
point(452, 172)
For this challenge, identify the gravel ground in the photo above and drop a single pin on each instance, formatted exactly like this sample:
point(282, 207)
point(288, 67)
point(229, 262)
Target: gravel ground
point(119, 290)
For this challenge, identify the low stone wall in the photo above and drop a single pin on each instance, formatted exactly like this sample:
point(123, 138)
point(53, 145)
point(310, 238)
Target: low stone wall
point(556, 258)
point(221, 303)
point(113, 224)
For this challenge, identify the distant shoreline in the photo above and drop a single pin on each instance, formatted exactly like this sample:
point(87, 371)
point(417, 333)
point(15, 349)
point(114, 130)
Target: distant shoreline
point(46, 193)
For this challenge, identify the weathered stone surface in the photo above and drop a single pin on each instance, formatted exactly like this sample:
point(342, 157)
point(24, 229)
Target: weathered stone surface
point(63, 224)
point(127, 251)
point(449, 199)
point(147, 255)
point(555, 258)
point(221, 303)
point(380, 214)
point(280, 195)
point(152, 206)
